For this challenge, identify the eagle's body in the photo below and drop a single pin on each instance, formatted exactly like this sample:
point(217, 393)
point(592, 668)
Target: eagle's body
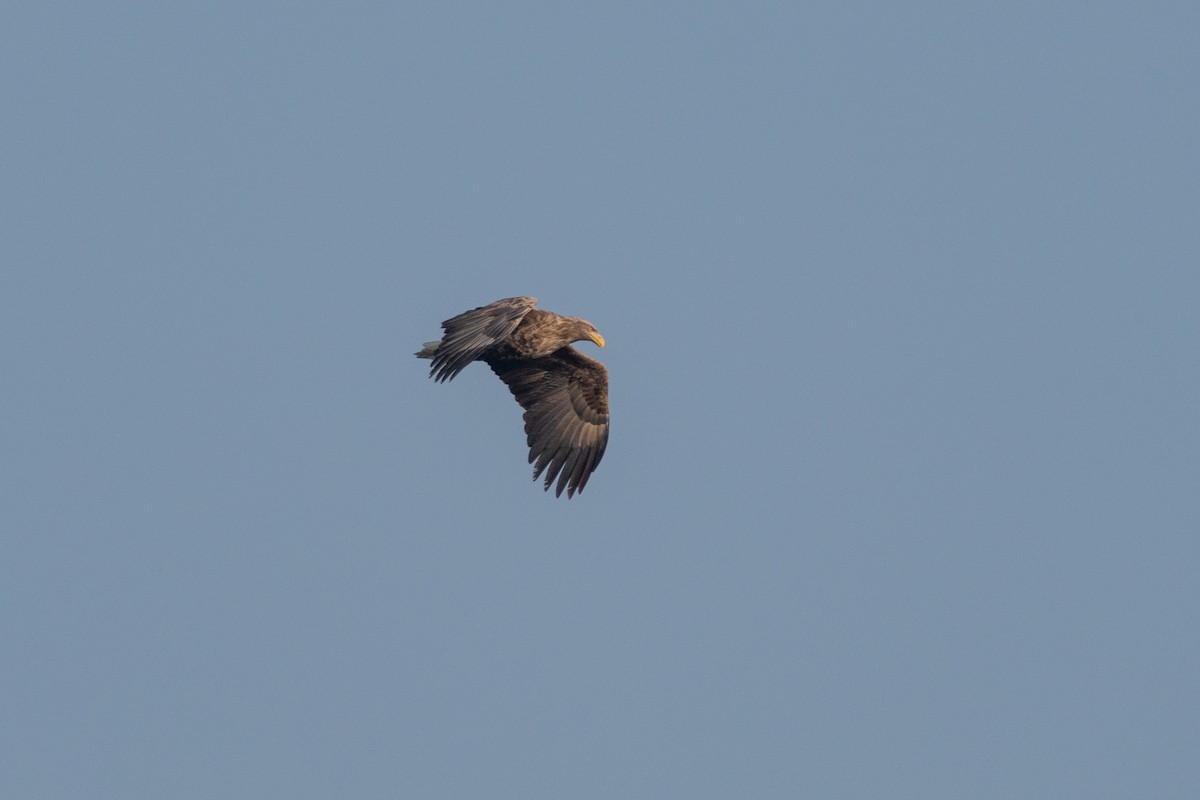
point(564, 393)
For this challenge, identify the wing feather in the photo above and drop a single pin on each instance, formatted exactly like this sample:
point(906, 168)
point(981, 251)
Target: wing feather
point(554, 433)
point(471, 333)
point(565, 397)
point(575, 457)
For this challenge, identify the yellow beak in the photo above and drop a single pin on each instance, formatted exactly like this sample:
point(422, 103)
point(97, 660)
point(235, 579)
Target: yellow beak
point(597, 338)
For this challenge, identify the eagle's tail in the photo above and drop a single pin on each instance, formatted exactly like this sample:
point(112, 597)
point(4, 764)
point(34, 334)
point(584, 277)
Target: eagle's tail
point(428, 350)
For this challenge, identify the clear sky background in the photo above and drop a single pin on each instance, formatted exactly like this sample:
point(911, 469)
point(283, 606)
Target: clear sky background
point(902, 498)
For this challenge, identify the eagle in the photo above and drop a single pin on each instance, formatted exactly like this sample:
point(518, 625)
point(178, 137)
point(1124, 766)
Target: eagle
point(564, 393)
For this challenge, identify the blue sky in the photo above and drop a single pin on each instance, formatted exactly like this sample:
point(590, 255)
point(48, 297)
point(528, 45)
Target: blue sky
point(901, 308)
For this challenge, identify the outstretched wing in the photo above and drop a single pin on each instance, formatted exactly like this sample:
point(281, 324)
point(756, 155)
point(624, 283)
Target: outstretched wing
point(474, 331)
point(565, 397)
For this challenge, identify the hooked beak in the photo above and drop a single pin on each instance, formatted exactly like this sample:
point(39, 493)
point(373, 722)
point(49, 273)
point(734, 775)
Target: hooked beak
point(597, 338)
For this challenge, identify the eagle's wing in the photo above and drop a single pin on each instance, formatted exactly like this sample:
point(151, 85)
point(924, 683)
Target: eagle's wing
point(565, 397)
point(472, 332)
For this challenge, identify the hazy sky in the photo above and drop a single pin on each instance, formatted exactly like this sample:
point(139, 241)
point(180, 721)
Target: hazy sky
point(902, 497)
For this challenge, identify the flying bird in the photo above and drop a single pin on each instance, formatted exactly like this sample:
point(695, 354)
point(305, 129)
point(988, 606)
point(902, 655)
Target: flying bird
point(564, 393)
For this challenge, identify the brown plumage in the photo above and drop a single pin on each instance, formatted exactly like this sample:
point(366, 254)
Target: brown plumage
point(564, 393)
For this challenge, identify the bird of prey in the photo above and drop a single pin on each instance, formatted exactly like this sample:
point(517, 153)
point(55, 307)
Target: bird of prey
point(564, 393)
